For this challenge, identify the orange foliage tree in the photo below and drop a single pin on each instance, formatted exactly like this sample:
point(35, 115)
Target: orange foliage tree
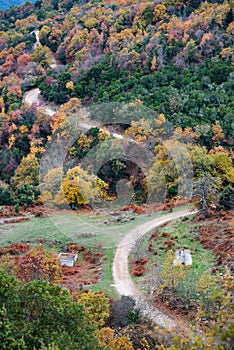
point(39, 264)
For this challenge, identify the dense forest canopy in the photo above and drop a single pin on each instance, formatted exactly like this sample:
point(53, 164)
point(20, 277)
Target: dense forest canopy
point(173, 57)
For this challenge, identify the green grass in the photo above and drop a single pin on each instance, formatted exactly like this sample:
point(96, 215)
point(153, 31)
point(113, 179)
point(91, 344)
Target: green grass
point(83, 229)
point(184, 235)
point(106, 284)
point(203, 259)
point(87, 230)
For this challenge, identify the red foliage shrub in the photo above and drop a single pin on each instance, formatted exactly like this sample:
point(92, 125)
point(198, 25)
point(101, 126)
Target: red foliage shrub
point(165, 234)
point(169, 243)
point(138, 266)
point(14, 249)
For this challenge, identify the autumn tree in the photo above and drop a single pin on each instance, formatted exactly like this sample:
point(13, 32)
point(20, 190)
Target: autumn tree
point(23, 60)
point(27, 172)
point(217, 332)
point(39, 264)
point(108, 339)
point(80, 188)
point(50, 184)
point(170, 277)
point(43, 56)
point(96, 308)
point(140, 130)
point(218, 134)
point(222, 168)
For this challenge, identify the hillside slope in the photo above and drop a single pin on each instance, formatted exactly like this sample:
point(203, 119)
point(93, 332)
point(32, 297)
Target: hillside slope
point(174, 59)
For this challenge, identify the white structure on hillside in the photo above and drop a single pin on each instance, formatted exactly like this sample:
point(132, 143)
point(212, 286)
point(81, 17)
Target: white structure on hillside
point(67, 259)
point(183, 257)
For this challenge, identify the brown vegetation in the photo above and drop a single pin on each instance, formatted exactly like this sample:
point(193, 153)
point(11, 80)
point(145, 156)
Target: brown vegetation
point(138, 267)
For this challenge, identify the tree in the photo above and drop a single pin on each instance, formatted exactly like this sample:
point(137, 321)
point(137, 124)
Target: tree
point(43, 56)
point(80, 188)
point(226, 199)
point(39, 264)
point(5, 196)
point(218, 134)
point(105, 335)
point(155, 182)
point(218, 332)
point(23, 59)
point(153, 63)
point(170, 276)
point(202, 162)
point(26, 194)
point(40, 313)
point(27, 172)
point(139, 129)
point(49, 314)
point(8, 290)
point(205, 193)
point(108, 339)
point(123, 312)
point(222, 167)
point(51, 184)
point(96, 308)
point(7, 333)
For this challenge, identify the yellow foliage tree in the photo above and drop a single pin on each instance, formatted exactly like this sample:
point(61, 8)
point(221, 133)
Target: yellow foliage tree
point(170, 275)
point(108, 339)
point(121, 343)
point(51, 184)
point(96, 308)
point(80, 188)
point(153, 63)
point(27, 172)
point(42, 55)
point(139, 129)
point(84, 142)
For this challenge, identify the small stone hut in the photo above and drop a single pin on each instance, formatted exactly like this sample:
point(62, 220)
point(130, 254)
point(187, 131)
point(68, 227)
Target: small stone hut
point(183, 257)
point(67, 259)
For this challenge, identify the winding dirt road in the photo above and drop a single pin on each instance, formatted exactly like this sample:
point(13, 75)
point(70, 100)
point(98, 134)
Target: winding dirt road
point(122, 279)
point(33, 97)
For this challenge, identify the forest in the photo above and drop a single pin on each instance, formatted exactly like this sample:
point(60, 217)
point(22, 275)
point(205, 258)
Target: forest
point(153, 80)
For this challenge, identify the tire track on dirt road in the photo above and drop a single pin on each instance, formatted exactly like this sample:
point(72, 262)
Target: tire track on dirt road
point(122, 279)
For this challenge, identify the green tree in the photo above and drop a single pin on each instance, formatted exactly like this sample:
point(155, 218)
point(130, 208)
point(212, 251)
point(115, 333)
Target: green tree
point(40, 313)
point(5, 196)
point(7, 334)
point(226, 199)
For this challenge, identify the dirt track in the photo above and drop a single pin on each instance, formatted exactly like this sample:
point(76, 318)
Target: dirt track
point(34, 97)
point(122, 279)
